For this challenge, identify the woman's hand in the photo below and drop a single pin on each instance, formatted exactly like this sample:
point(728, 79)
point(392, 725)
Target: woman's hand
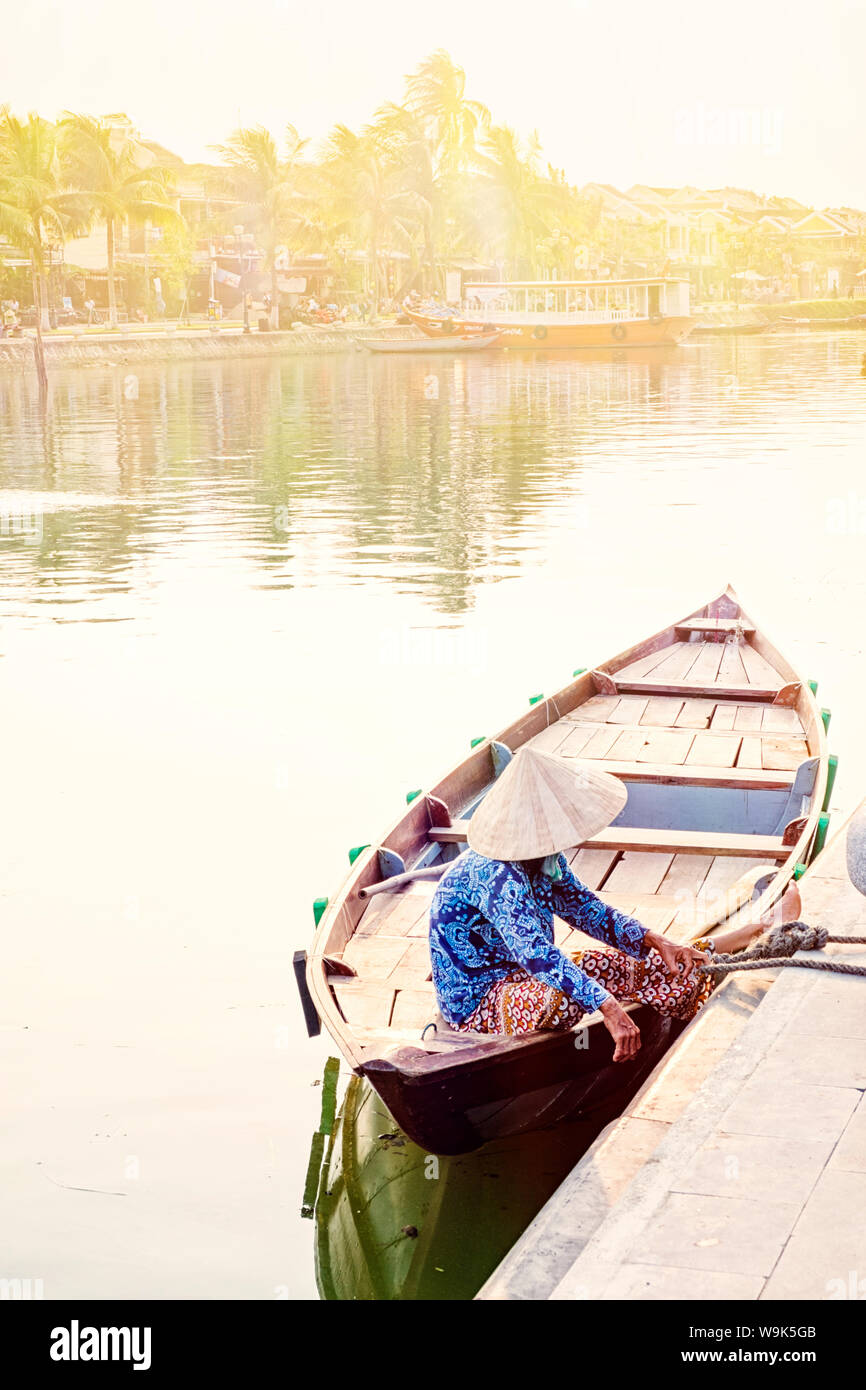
point(625, 1033)
point(679, 960)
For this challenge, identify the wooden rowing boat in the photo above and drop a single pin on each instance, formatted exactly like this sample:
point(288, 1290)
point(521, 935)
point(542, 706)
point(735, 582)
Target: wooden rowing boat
point(722, 747)
point(467, 342)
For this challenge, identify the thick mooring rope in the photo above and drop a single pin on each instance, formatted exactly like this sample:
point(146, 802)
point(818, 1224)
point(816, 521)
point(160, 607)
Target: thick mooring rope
point(780, 944)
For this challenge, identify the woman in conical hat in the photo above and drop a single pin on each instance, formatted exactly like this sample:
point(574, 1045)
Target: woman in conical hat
point(496, 967)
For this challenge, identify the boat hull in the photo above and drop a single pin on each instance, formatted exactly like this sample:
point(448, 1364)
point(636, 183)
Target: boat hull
point(514, 1087)
point(728, 330)
point(475, 342)
point(665, 332)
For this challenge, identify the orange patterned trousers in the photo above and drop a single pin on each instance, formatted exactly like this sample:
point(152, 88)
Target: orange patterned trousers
point(520, 1003)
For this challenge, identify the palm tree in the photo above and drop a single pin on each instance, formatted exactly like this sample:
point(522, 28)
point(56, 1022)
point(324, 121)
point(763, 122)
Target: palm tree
point(518, 196)
point(270, 184)
point(401, 136)
point(436, 94)
point(434, 133)
point(571, 220)
point(36, 210)
point(366, 194)
point(104, 168)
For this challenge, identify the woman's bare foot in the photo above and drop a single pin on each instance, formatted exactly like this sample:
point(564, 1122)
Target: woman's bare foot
point(787, 909)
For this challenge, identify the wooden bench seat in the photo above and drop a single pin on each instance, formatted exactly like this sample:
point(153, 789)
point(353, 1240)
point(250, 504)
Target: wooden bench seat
point(714, 625)
point(710, 689)
point(691, 842)
point(655, 841)
point(693, 775)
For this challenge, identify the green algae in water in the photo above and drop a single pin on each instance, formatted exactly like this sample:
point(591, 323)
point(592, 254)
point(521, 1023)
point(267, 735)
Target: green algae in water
point(396, 1223)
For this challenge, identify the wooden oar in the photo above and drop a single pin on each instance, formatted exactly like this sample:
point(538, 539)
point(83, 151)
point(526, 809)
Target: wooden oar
point(389, 884)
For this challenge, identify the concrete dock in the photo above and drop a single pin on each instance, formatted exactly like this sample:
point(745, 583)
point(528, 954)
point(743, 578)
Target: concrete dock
point(739, 1169)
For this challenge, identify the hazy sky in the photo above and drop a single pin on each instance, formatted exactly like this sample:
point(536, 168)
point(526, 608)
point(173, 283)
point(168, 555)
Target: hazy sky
point(766, 94)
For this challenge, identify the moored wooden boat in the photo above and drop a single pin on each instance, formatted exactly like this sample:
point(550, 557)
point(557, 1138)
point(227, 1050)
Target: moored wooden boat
point(722, 748)
point(724, 321)
point(473, 342)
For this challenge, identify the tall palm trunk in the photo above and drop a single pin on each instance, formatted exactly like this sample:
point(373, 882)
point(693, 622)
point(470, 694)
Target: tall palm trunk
point(430, 256)
point(275, 297)
point(112, 292)
point(374, 257)
point(46, 299)
point(38, 345)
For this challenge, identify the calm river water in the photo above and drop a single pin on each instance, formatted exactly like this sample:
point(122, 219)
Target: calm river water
point(245, 607)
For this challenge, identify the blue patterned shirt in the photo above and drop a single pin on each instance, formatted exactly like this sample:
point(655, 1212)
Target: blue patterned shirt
point(489, 916)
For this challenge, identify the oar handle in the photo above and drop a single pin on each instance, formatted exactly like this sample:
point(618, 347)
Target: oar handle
point(397, 880)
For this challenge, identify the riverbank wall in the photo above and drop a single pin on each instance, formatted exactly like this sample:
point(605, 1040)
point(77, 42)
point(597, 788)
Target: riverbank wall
point(820, 311)
point(120, 349)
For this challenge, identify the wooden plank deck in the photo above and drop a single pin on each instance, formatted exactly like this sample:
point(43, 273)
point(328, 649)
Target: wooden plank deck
point(734, 670)
point(705, 741)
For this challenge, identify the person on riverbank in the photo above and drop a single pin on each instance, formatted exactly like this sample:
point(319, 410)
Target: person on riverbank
point(10, 319)
point(496, 966)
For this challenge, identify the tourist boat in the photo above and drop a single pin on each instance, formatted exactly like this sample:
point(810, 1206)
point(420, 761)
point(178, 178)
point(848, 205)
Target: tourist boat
point(466, 342)
point(722, 748)
point(568, 313)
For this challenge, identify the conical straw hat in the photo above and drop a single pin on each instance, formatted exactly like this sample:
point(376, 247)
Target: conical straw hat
point(541, 805)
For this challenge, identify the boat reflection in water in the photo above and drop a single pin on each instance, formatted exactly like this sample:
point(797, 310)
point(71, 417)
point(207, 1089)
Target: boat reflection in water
point(394, 1222)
